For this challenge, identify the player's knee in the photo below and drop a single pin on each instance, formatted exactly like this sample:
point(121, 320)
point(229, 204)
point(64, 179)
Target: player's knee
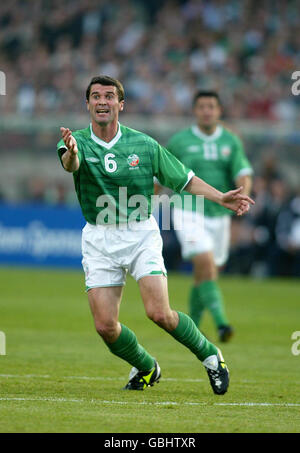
point(106, 329)
point(161, 318)
point(205, 275)
point(205, 270)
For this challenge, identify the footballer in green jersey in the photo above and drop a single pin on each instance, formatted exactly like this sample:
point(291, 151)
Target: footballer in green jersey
point(216, 155)
point(129, 161)
point(105, 158)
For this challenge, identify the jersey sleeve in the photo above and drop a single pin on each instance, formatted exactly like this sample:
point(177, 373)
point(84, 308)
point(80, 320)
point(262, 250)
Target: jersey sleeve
point(240, 165)
point(61, 149)
point(169, 171)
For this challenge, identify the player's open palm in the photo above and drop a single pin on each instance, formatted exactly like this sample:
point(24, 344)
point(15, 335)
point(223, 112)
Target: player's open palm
point(236, 201)
point(69, 140)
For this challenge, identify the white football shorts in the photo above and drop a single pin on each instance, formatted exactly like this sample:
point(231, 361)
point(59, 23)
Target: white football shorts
point(199, 234)
point(109, 252)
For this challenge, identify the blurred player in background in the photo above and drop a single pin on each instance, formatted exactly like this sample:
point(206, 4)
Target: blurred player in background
point(104, 157)
point(216, 155)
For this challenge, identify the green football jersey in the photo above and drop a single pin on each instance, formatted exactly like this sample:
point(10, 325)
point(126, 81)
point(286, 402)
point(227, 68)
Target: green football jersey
point(114, 182)
point(219, 159)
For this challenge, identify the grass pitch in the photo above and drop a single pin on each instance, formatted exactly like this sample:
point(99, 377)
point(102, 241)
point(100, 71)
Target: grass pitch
point(57, 375)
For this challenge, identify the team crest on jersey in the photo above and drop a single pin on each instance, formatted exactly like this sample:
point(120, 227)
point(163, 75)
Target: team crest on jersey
point(133, 161)
point(225, 151)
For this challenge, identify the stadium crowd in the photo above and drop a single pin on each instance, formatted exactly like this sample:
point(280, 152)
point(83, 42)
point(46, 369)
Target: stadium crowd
point(161, 50)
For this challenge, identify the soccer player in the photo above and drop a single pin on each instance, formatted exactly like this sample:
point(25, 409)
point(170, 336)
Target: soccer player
point(216, 155)
point(104, 158)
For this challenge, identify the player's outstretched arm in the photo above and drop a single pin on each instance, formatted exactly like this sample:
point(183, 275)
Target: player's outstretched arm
point(237, 201)
point(70, 157)
point(246, 182)
point(234, 199)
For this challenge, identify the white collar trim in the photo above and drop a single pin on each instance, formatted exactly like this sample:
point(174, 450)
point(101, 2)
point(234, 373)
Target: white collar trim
point(207, 138)
point(106, 145)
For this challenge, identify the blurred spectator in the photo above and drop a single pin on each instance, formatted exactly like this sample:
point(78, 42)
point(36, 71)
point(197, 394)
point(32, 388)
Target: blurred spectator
point(255, 247)
point(264, 224)
point(269, 171)
point(286, 254)
point(36, 190)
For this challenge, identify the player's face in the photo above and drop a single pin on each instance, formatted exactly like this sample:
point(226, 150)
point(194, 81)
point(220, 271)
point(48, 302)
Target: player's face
point(104, 105)
point(207, 111)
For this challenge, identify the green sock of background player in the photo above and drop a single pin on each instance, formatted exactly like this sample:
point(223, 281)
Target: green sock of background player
point(127, 347)
point(208, 295)
point(196, 307)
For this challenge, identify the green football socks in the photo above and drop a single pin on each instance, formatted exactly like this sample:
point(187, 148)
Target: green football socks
point(190, 336)
point(208, 295)
point(127, 348)
point(196, 306)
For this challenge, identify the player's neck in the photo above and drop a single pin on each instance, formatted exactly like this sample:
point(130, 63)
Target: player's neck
point(208, 130)
point(105, 132)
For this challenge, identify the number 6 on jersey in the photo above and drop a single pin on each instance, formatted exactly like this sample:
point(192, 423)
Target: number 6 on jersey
point(110, 164)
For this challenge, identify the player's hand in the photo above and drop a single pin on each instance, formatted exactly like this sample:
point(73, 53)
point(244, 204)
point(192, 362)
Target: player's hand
point(69, 140)
point(236, 201)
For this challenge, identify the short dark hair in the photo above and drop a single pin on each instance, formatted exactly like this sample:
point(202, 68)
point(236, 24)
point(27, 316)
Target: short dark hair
point(107, 81)
point(206, 94)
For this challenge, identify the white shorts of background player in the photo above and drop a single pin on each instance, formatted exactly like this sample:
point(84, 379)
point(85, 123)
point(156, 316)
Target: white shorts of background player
point(197, 234)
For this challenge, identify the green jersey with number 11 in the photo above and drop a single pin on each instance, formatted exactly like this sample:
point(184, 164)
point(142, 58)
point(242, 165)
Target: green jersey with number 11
point(218, 159)
point(130, 161)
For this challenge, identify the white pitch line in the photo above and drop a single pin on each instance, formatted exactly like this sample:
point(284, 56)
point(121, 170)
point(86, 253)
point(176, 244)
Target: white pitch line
point(260, 404)
point(146, 403)
point(87, 378)
point(105, 378)
point(108, 378)
point(26, 376)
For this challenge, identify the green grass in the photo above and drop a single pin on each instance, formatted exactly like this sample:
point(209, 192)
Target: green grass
point(58, 376)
